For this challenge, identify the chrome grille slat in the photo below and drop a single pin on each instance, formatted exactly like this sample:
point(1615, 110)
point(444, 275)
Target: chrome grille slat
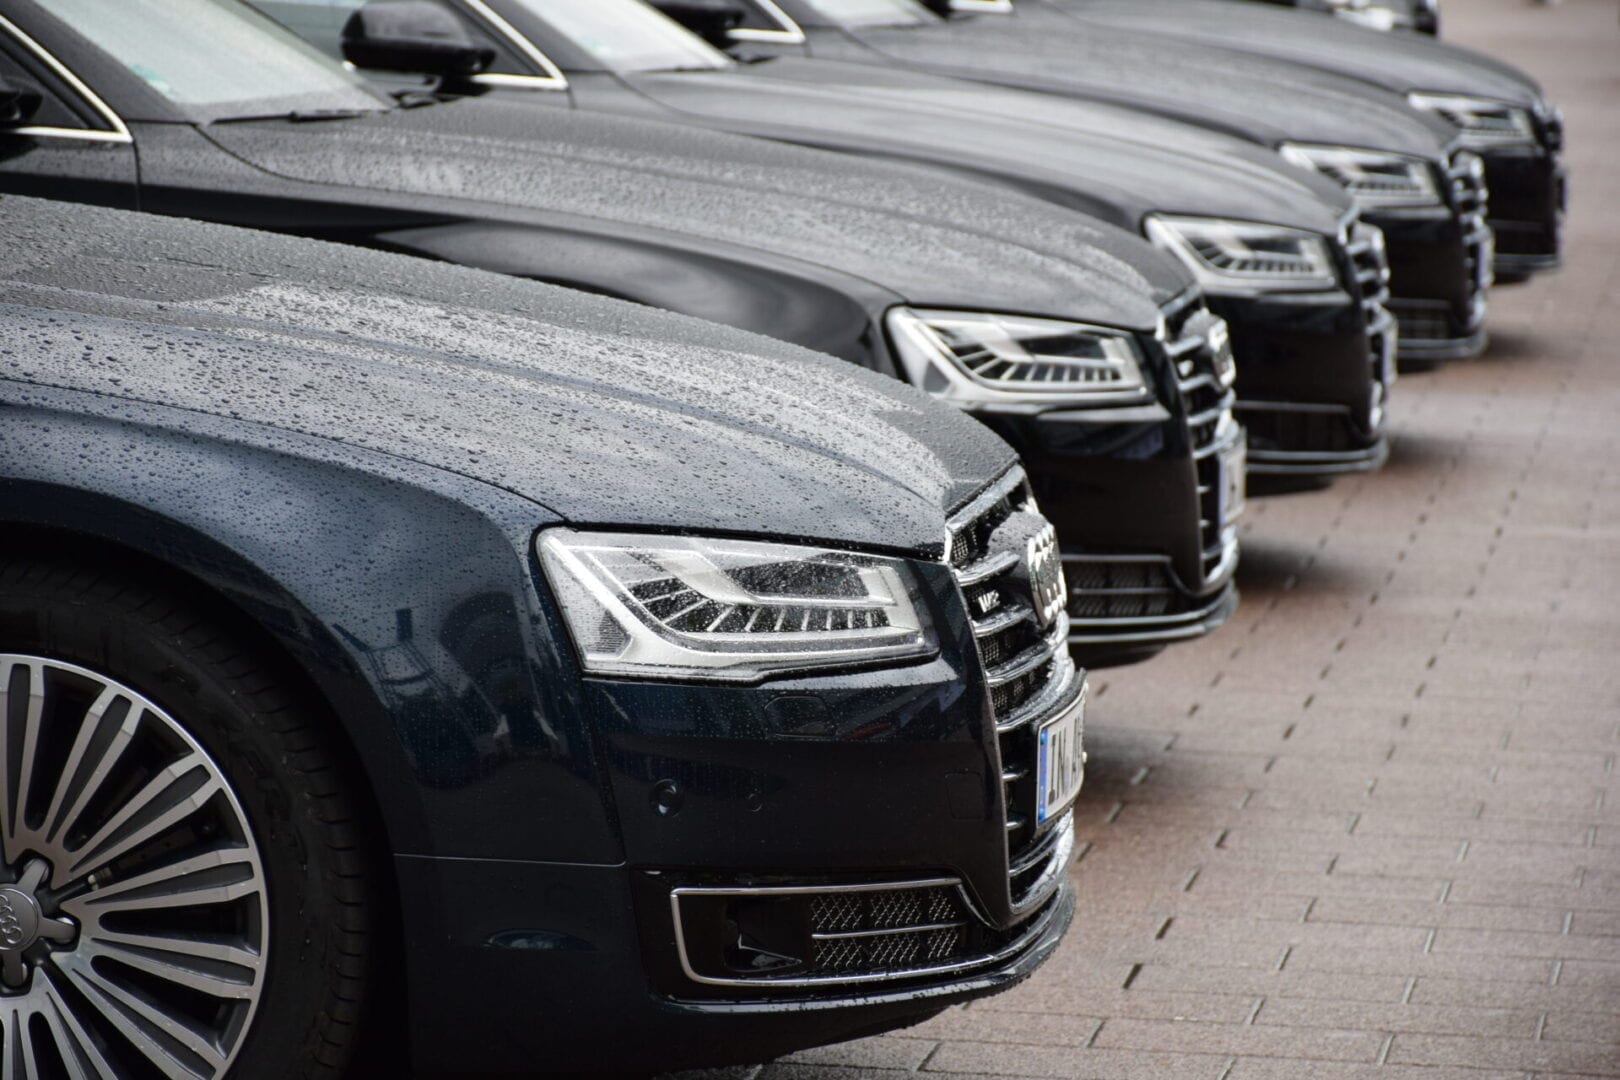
point(1028, 660)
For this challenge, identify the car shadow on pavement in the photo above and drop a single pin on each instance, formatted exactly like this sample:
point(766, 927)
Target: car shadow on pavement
point(1269, 568)
point(1411, 453)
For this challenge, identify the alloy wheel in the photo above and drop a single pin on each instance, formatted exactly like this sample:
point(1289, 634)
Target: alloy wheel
point(133, 917)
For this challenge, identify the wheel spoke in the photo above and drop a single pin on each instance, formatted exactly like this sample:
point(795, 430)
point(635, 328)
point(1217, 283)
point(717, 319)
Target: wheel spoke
point(216, 877)
point(209, 976)
point(168, 799)
point(16, 1065)
point(142, 1024)
point(77, 1049)
point(98, 759)
point(216, 951)
point(17, 749)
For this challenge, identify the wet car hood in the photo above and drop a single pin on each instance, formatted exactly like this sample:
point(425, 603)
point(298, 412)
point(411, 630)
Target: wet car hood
point(602, 411)
point(1267, 101)
point(927, 238)
point(1118, 163)
point(1398, 62)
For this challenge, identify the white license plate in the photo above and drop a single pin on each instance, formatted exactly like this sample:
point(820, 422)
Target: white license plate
point(1234, 481)
point(1060, 762)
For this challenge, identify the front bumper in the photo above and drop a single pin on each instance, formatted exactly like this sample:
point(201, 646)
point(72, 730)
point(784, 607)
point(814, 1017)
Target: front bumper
point(567, 990)
point(1529, 188)
point(1314, 377)
point(1440, 269)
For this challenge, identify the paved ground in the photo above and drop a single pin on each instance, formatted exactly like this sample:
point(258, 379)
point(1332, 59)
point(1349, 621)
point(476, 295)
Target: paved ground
point(1372, 828)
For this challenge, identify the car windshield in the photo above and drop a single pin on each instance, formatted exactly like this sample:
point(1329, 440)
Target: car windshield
point(874, 12)
point(628, 36)
point(217, 59)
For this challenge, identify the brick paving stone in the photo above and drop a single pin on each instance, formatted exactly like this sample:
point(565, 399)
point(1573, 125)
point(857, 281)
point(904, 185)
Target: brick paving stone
point(1370, 830)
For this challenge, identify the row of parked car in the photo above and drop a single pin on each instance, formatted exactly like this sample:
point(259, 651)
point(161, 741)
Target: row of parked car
point(403, 656)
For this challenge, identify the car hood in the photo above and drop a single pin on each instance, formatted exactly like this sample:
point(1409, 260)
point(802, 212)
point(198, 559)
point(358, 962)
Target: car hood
point(1398, 62)
point(1117, 163)
point(604, 412)
point(1264, 100)
point(928, 239)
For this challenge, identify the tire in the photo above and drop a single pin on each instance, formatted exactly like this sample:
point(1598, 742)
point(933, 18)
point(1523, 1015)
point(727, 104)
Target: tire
point(245, 838)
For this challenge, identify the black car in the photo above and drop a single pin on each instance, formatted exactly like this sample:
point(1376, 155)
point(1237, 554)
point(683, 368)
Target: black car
point(1501, 112)
point(1312, 341)
point(397, 652)
point(1403, 166)
point(1078, 341)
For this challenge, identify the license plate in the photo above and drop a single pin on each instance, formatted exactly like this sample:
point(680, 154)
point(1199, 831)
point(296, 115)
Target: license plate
point(1233, 481)
point(1060, 762)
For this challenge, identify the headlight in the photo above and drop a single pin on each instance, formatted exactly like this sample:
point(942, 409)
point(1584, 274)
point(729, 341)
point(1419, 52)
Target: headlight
point(689, 608)
point(1016, 362)
point(1375, 178)
point(1484, 123)
point(1238, 256)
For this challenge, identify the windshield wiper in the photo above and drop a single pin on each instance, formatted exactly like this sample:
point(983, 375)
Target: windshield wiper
point(301, 116)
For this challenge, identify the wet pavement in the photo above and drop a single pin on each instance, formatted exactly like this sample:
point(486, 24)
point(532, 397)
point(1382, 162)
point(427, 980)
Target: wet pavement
point(1371, 829)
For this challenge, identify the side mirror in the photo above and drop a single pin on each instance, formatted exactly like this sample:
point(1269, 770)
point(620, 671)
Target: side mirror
point(414, 36)
point(18, 103)
point(711, 20)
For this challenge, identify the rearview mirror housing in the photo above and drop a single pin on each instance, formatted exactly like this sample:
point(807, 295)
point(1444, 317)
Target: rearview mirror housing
point(18, 103)
point(414, 36)
point(712, 20)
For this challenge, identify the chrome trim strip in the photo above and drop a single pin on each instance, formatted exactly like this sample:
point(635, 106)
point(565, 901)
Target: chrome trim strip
point(120, 131)
point(553, 79)
point(1011, 615)
point(1033, 930)
point(789, 32)
point(1056, 696)
point(1031, 658)
point(852, 935)
point(1061, 856)
point(976, 506)
point(986, 568)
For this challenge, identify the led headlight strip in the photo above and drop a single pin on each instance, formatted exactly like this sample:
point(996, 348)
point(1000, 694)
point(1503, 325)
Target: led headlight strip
point(1016, 361)
point(698, 608)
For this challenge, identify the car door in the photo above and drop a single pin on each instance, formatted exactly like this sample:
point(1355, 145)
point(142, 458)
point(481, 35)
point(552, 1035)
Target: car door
point(61, 140)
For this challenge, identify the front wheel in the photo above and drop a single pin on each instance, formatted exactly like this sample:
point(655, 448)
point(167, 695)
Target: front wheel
point(182, 889)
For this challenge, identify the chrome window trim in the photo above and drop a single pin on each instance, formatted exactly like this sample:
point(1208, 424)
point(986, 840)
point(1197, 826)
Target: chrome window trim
point(790, 32)
point(1030, 932)
point(119, 133)
point(553, 79)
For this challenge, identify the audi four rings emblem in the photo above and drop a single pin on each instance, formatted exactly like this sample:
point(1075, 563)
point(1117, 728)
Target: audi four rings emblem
point(12, 931)
point(1045, 576)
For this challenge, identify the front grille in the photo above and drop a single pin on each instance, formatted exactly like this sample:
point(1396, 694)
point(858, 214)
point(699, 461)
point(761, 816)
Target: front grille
point(1471, 202)
point(1126, 589)
point(1028, 671)
point(873, 932)
point(783, 938)
point(1424, 320)
point(1200, 347)
point(1369, 260)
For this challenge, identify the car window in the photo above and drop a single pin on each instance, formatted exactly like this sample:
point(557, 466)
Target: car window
point(628, 35)
point(215, 58)
point(874, 12)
